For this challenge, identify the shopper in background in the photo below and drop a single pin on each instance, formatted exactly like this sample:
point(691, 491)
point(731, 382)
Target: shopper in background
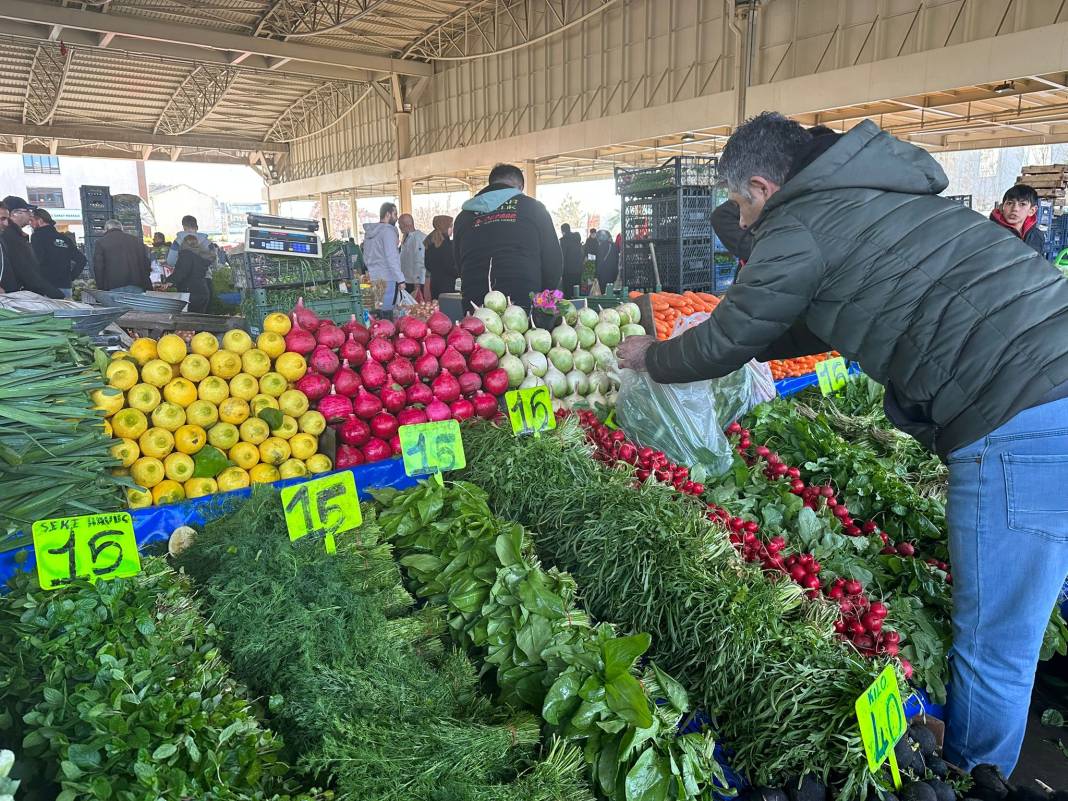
point(965, 326)
point(590, 246)
point(20, 268)
point(607, 259)
point(440, 258)
point(190, 227)
point(381, 252)
point(1018, 213)
point(505, 240)
point(120, 261)
point(57, 254)
point(412, 255)
point(571, 248)
point(3, 252)
point(191, 274)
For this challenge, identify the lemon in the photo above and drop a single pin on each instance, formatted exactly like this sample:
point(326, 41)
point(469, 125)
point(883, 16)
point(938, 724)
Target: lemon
point(135, 499)
point(214, 390)
point(108, 399)
point(223, 436)
point(277, 323)
point(204, 344)
point(293, 402)
point(195, 367)
point(234, 410)
point(244, 454)
point(271, 343)
point(255, 362)
point(311, 422)
point(254, 430)
point(190, 438)
point(126, 451)
point(143, 397)
point(273, 384)
point(168, 491)
point(237, 341)
point(169, 416)
point(181, 391)
point(143, 350)
point(179, 467)
point(291, 365)
point(156, 442)
point(274, 450)
point(121, 374)
point(303, 446)
point(244, 386)
point(129, 423)
point(157, 373)
point(319, 463)
point(121, 354)
point(292, 468)
point(261, 402)
point(232, 478)
point(171, 348)
point(263, 474)
point(202, 413)
point(287, 429)
point(107, 427)
point(225, 364)
point(199, 487)
point(147, 471)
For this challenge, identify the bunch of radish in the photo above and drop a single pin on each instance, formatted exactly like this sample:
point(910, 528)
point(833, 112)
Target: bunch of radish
point(367, 382)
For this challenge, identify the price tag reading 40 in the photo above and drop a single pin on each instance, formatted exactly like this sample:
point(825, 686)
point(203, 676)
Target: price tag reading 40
point(832, 374)
point(881, 716)
point(432, 448)
point(326, 506)
point(89, 547)
point(530, 410)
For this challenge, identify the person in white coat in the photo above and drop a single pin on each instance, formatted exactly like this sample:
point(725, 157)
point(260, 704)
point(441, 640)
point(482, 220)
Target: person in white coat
point(381, 254)
point(413, 252)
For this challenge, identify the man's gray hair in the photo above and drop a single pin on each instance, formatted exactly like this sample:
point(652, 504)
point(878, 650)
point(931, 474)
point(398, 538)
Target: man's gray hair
point(765, 145)
point(112, 225)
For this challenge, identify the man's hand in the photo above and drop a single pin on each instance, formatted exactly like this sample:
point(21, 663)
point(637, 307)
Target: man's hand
point(631, 351)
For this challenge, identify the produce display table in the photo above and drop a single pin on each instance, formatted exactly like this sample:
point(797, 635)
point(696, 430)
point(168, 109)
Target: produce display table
point(155, 324)
point(791, 386)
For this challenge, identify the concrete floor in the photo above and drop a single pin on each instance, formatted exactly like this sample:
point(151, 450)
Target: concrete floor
point(1041, 759)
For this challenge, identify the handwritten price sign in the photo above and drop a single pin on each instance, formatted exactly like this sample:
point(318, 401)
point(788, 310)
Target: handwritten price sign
point(323, 506)
point(89, 547)
point(881, 716)
point(530, 410)
point(832, 374)
point(432, 448)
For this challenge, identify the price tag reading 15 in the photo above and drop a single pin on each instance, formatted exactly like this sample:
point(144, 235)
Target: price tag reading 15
point(881, 716)
point(326, 506)
point(432, 448)
point(832, 374)
point(530, 410)
point(88, 547)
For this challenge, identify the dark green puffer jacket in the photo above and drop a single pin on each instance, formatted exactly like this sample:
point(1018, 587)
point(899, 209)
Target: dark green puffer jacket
point(962, 322)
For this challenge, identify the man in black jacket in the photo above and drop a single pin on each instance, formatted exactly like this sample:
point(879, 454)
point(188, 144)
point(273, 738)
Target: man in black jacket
point(571, 247)
point(506, 241)
point(120, 261)
point(57, 254)
point(19, 269)
point(966, 327)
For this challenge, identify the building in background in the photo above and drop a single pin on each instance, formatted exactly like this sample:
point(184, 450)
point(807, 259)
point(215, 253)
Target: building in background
point(170, 203)
point(237, 218)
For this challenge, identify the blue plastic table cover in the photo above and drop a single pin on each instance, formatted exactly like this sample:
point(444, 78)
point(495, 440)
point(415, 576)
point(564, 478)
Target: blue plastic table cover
point(791, 386)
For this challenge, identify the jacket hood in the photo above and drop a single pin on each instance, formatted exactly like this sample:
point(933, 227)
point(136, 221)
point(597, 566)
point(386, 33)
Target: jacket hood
point(374, 230)
point(490, 199)
point(866, 158)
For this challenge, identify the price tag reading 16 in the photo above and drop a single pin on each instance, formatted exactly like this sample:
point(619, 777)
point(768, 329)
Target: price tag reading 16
point(326, 506)
point(432, 448)
point(881, 716)
point(88, 547)
point(530, 410)
point(832, 374)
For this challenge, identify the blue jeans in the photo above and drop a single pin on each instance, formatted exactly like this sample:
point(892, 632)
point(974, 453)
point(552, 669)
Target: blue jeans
point(1008, 542)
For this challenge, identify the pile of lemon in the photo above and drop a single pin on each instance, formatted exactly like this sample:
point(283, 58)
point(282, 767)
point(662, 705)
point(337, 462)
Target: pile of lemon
point(175, 399)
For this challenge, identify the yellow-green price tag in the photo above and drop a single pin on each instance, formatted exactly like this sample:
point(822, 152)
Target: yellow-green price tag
point(326, 506)
point(432, 448)
point(88, 547)
point(530, 410)
point(881, 715)
point(832, 374)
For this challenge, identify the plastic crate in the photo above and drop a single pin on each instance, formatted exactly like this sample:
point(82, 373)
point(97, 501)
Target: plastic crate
point(338, 309)
point(724, 277)
point(96, 199)
point(260, 270)
point(680, 268)
point(697, 172)
point(661, 218)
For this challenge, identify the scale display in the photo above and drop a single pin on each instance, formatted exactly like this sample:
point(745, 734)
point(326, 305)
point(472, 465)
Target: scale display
point(281, 242)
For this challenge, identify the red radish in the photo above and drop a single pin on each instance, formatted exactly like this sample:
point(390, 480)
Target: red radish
point(365, 404)
point(335, 407)
point(330, 335)
point(452, 361)
point(853, 587)
point(495, 381)
point(472, 325)
point(439, 324)
point(394, 444)
point(461, 341)
point(315, 386)
point(445, 388)
point(469, 382)
point(401, 371)
point(348, 456)
point(485, 405)
point(427, 366)
point(872, 623)
point(354, 431)
point(411, 416)
point(462, 409)
point(878, 609)
point(482, 360)
point(323, 360)
point(408, 348)
point(383, 425)
point(373, 375)
point(299, 341)
point(376, 450)
point(353, 351)
point(382, 328)
point(346, 380)
point(393, 398)
point(906, 667)
point(305, 317)
point(434, 345)
point(380, 349)
point(436, 410)
point(419, 393)
point(906, 549)
point(412, 327)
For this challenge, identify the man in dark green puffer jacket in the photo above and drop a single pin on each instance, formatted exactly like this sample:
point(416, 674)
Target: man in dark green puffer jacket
point(965, 326)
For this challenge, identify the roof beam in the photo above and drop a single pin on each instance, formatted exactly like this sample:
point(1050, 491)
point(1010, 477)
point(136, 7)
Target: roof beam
point(293, 19)
point(200, 94)
point(51, 64)
point(143, 35)
point(129, 136)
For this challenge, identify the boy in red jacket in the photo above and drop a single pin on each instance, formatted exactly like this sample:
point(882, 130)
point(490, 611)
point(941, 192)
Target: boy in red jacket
point(1019, 213)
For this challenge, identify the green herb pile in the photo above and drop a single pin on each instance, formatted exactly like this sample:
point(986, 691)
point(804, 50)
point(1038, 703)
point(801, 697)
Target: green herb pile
point(117, 691)
point(758, 656)
point(542, 651)
point(54, 458)
point(360, 684)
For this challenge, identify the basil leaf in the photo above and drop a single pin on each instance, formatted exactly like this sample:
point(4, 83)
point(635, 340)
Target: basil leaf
point(626, 698)
point(620, 653)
